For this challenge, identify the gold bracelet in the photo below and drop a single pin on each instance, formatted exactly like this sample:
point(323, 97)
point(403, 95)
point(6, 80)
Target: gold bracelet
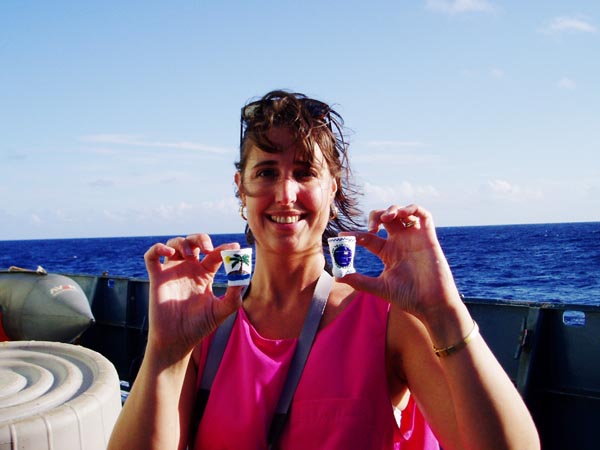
point(447, 351)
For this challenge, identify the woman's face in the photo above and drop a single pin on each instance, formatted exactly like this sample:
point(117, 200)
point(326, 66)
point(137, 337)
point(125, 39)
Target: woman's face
point(288, 201)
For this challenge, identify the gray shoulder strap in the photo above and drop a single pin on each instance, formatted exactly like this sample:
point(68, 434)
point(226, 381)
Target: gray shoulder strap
point(215, 352)
point(213, 360)
point(305, 342)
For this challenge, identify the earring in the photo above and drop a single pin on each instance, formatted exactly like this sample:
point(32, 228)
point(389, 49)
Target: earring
point(334, 212)
point(242, 213)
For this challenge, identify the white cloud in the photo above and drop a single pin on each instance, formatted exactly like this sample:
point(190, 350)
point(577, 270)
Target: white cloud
point(503, 189)
point(469, 73)
point(566, 83)
point(113, 216)
point(395, 144)
point(161, 213)
point(592, 192)
point(381, 196)
point(101, 183)
point(496, 72)
point(225, 205)
point(459, 6)
point(170, 211)
point(180, 213)
point(140, 141)
point(403, 159)
point(568, 24)
point(395, 152)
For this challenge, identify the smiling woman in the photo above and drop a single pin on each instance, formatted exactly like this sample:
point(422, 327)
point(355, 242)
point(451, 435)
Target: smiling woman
point(308, 361)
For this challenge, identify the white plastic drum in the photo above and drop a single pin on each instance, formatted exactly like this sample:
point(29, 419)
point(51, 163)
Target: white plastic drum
point(56, 396)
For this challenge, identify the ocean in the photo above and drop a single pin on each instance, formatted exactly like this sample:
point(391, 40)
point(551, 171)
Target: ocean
point(538, 263)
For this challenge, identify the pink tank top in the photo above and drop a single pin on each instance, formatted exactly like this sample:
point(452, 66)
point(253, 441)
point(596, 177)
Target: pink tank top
point(342, 399)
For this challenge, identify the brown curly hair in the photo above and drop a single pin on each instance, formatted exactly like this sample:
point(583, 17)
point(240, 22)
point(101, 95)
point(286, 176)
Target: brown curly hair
point(310, 122)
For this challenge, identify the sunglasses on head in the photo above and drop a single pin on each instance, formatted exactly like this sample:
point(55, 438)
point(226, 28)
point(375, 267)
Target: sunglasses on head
point(252, 111)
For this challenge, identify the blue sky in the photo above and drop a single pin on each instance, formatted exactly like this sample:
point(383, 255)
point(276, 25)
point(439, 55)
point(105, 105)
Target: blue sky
point(121, 118)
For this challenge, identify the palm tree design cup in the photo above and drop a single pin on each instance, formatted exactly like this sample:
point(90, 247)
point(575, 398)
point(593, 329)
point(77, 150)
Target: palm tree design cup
point(238, 266)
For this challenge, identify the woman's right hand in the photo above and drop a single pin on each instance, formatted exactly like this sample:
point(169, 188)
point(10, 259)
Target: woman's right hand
point(183, 308)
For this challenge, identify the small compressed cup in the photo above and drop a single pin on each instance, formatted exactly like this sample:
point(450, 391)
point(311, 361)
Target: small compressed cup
point(238, 266)
point(342, 249)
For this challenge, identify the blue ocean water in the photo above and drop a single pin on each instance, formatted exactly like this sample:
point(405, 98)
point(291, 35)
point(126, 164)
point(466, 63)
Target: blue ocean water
point(542, 263)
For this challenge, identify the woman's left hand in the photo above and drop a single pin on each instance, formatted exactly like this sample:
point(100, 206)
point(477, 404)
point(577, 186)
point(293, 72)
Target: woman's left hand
point(416, 276)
